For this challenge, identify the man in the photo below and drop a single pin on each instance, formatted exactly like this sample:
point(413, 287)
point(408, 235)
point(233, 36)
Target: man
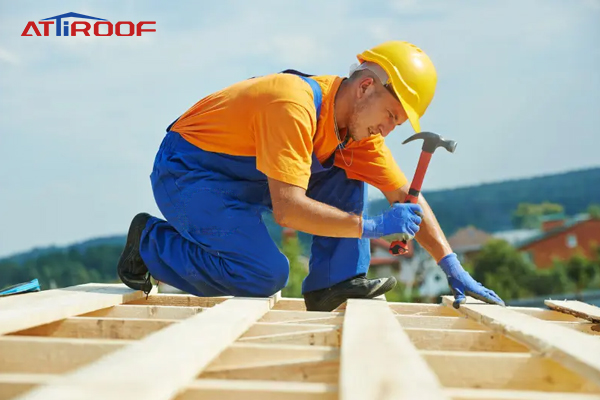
point(303, 147)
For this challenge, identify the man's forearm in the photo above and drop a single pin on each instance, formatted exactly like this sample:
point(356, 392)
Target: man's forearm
point(316, 218)
point(430, 234)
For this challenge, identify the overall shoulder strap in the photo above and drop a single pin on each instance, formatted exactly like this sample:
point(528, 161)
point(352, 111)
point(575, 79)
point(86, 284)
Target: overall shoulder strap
point(316, 88)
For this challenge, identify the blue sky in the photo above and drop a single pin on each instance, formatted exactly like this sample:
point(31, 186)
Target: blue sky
point(81, 118)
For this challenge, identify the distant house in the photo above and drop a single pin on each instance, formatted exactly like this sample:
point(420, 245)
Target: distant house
point(467, 242)
point(561, 238)
point(515, 237)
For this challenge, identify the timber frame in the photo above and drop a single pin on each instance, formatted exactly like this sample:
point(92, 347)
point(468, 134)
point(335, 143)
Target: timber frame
point(105, 341)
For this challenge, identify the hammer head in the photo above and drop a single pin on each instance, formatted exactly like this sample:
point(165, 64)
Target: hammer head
point(432, 141)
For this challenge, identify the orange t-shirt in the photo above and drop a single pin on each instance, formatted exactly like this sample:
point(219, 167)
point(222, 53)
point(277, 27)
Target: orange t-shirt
point(273, 119)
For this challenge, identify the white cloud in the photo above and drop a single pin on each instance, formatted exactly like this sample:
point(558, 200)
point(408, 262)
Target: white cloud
point(8, 57)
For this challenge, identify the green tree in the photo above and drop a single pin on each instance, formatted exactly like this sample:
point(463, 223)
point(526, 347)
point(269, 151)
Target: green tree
point(501, 267)
point(580, 271)
point(292, 249)
point(550, 281)
point(528, 215)
point(594, 211)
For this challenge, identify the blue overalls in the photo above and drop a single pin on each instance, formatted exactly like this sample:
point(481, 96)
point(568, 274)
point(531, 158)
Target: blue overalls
point(214, 241)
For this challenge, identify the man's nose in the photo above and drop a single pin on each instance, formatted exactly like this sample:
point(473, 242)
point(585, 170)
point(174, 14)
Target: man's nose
point(386, 128)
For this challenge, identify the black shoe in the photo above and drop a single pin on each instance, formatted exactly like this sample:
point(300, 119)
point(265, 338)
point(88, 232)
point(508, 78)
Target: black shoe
point(355, 288)
point(131, 268)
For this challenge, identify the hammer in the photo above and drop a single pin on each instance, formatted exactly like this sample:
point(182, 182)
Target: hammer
point(431, 141)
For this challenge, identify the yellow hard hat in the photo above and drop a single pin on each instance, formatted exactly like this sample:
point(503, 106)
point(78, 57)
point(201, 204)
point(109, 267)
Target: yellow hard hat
point(410, 73)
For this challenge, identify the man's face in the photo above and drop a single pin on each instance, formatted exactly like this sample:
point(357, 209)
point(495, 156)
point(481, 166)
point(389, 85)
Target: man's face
point(376, 111)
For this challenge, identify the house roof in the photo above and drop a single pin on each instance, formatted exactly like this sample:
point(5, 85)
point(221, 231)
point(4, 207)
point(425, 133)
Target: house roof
point(469, 238)
point(569, 225)
point(516, 236)
point(100, 341)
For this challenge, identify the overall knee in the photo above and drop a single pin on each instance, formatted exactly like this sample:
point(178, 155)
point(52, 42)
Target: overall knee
point(277, 273)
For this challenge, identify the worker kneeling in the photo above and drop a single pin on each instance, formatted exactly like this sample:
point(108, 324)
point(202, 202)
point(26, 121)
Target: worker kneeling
point(303, 147)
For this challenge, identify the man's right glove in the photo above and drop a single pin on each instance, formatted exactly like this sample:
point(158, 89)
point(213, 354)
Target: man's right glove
point(463, 284)
point(402, 218)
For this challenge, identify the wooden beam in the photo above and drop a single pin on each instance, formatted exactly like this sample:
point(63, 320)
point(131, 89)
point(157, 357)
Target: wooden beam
point(21, 354)
point(290, 304)
point(429, 322)
point(378, 360)
point(179, 300)
point(546, 315)
point(574, 349)
point(32, 309)
point(98, 328)
point(436, 310)
point(491, 394)
point(13, 385)
point(319, 337)
point(185, 348)
point(223, 389)
point(326, 371)
point(270, 328)
point(586, 327)
point(147, 312)
point(576, 309)
point(462, 340)
point(514, 371)
point(312, 317)
point(251, 355)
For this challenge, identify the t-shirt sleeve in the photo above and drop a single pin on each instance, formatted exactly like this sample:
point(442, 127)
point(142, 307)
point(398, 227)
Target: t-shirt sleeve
point(373, 163)
point(283, 133)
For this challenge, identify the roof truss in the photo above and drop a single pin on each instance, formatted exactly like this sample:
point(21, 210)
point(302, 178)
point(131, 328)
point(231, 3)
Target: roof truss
point(105, 341)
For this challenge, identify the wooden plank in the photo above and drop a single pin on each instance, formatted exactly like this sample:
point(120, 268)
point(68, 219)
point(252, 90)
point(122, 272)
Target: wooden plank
point(179, 300)
point(252, 355)
point(32, 309)
point(574, 349)
point(148, 312)
point(491, 394)
point(270, 328)
point(462, 340)
point(576, 309)
point(290, 304)
point(586, 327)
point(98, 328)
point(314, 317)
point(223, 389)
point(13, 385)
point(436, 310)
point(291, 371)
point(546, 315)
point(378, 360)
point(430, 322)
point(186, 348)
point(318, 337)
point(514, 371)
point(21, 354)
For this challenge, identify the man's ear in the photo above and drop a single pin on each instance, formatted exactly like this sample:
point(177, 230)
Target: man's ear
point(364, 85)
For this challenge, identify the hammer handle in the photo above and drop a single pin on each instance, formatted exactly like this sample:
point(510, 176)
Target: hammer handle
point(401, 246)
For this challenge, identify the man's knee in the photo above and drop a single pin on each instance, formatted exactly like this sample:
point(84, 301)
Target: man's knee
point(276, 274)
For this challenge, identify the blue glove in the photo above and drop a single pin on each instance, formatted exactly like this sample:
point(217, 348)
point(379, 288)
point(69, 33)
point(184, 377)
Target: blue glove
point(462, 284)
point(402, 218)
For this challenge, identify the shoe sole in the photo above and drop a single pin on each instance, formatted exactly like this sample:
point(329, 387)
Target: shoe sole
point(129, 251)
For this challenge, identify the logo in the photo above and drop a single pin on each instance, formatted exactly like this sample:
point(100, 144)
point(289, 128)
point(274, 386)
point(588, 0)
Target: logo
point(101, 27)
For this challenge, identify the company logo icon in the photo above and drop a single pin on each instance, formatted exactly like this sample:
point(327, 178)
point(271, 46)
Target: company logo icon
point(101, 27)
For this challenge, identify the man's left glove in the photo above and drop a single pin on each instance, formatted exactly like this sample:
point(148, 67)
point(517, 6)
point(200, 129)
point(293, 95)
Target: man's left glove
point(462, 284)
